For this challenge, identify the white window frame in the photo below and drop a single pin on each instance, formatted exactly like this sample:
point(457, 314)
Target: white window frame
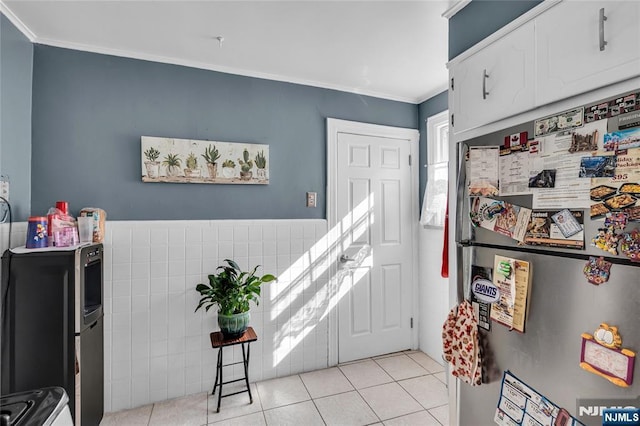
point(437, 157)
point(435, 124)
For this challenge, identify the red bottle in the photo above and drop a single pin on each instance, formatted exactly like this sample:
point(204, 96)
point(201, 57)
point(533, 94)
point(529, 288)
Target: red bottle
point(63, 206)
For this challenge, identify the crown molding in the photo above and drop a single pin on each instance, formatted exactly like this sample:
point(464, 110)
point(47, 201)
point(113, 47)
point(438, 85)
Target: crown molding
point(456, 7)
point(430, 94)
point(17, 22)
point(33, 38)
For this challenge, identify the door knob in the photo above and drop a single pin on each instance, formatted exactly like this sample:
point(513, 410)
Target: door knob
point(344, 258)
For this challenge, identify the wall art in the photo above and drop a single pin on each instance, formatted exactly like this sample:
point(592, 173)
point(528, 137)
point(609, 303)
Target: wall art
point(194, 161)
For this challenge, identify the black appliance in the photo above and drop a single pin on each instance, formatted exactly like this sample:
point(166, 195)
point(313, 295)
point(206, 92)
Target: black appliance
point(52, 325)
point(46, 407)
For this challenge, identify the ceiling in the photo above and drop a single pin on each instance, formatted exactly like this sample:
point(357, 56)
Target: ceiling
point(389, 49)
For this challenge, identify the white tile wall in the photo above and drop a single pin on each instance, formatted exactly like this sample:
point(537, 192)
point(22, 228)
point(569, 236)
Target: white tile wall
point(157, 348)
point(18, 235)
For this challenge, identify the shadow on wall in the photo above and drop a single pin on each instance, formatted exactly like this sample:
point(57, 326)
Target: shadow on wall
point(312, 266)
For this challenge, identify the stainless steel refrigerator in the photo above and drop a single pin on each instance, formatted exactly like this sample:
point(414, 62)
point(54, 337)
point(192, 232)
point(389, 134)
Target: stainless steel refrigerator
point(562, 306)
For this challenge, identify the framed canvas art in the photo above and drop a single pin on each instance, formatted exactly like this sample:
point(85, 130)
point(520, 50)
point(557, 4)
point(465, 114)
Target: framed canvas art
point(195, 161)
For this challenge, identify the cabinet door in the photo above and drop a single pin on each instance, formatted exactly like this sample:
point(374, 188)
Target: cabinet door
point(508, 87)
point(570, 61)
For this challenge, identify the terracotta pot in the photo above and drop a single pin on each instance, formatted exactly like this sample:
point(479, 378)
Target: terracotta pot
point(213, 170)
point(191, 173)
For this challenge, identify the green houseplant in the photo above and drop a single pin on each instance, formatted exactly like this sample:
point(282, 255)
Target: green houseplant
point(152, 164)
point(245, 166)
point(228, 168)
point(261, 164)
point(211, 156)
point(192, 166)
point(173, 162)
point(232, 290)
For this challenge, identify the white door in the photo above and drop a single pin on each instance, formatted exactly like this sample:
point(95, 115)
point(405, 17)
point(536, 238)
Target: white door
point(376, 218)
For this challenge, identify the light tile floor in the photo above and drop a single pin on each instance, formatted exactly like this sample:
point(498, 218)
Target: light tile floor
point(405, 388)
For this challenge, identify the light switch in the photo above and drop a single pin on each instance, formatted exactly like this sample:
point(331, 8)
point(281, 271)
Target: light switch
point(311, 199)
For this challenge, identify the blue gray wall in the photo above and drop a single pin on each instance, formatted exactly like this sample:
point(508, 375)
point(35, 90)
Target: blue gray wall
point(89, 111)
point(426, 109)
point(481, 18)
point(16, 65)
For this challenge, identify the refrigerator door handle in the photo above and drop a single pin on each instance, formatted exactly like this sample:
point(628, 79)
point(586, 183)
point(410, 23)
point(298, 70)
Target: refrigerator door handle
point(460, 190)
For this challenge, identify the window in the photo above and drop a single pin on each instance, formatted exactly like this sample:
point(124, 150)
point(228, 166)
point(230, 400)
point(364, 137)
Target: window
point(434, 202)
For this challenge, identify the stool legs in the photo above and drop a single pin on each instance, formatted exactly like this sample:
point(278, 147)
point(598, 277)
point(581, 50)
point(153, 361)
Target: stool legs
point(245, 362)
point(219, 371)
point(220, 381)
point(218, 368)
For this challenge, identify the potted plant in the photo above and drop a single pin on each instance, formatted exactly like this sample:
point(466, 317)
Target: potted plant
point(261, 164)
point(192, 166)
point(245, 166)
point(232, 290)
point(172, 162)
point(228, 168)
point(211, 155)
point(152, 165)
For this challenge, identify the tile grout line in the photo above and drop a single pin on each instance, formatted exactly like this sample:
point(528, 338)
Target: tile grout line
point(369, 405)
point(437, 419)
point(409, 393)
point(313, 401)
point(150, 414)
point(413, 412)
point(405, 390)
point(207, 396)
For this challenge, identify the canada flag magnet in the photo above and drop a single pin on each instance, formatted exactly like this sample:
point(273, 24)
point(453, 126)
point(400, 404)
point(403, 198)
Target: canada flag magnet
point(516, 141)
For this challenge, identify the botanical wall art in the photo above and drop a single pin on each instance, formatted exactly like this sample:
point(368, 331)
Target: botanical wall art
point(194, 161)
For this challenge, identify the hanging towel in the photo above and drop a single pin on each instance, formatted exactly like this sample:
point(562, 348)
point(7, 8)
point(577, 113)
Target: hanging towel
point(444, 271)
point(461, 345)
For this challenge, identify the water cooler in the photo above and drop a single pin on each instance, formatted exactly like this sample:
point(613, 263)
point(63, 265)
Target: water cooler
point(52, 325)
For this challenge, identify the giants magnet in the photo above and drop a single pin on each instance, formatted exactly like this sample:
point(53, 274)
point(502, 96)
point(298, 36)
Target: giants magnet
point(485, 290)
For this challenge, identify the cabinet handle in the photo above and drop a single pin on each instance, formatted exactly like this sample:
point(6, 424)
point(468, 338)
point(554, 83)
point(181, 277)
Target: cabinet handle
point(603, 18)
point(485, 76)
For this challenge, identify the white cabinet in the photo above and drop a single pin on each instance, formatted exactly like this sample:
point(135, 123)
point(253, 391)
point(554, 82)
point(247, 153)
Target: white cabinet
point(495, 82)
point(553, 52)
point(568, 47)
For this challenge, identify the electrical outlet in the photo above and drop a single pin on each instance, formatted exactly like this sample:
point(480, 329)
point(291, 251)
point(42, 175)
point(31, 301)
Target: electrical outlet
point(311, 199)
point(4, 186)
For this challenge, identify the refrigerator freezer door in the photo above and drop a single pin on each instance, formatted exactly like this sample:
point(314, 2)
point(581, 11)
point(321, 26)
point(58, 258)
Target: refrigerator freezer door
point(563, 305)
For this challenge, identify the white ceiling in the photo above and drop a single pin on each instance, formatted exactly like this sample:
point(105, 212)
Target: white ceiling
point(388, 49)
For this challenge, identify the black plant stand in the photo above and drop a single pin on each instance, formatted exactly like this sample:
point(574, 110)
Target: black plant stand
point(218, 341)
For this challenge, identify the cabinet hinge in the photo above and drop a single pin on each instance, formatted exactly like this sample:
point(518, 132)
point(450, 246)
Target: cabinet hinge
point(452, 120)
point(451, 83)
point(411, 322)
point(409, 159)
